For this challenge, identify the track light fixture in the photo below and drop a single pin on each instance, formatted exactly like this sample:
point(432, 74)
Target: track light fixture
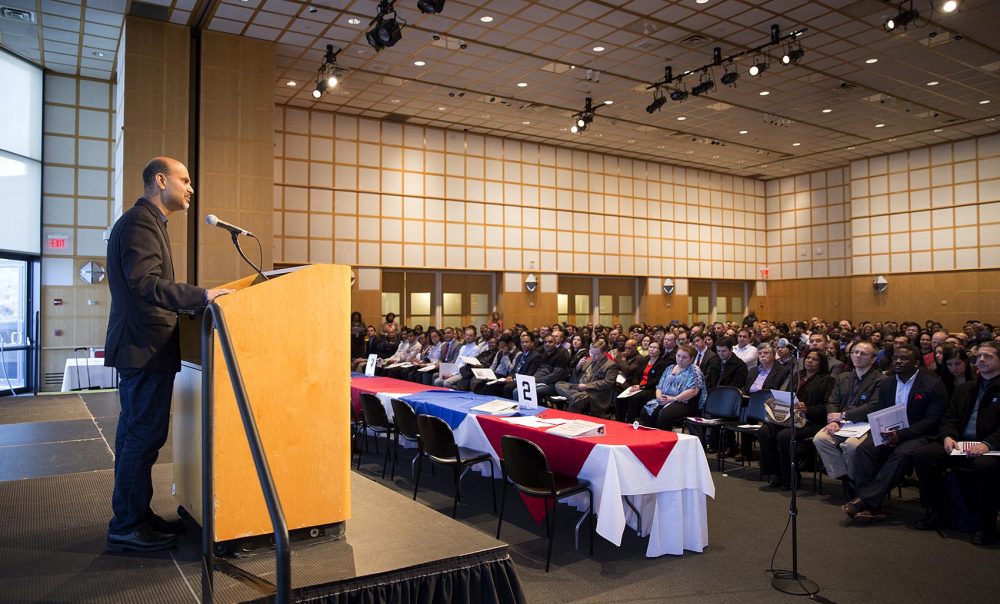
point(761, 62)
point(430, 7)
point(583, 119)
point(730, 76)
point(328, 75)
point(388, 26)
point(658, 101)
point(705, 85)
point(905, 15)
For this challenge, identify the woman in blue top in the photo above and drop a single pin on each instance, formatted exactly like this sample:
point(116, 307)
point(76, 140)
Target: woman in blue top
point(680, 393)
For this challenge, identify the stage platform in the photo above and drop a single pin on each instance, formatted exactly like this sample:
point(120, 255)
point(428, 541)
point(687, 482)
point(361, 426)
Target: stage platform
point(52, 549)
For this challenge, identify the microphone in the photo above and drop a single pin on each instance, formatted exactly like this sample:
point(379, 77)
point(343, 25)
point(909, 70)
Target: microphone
point(213, 220)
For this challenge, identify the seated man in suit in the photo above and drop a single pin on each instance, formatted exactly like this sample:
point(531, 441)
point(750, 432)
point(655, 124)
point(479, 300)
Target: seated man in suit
point(971, 425)
point(525, 363)
point(733, 370)
point(590, 389)
point(854, 394)
point(706, 360)
point(878, 469)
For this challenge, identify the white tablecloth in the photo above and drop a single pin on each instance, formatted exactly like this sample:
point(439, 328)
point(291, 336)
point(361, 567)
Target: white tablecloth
point(672, 503)
point(100, 376)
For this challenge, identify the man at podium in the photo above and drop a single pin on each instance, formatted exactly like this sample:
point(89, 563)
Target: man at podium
point(143, 343)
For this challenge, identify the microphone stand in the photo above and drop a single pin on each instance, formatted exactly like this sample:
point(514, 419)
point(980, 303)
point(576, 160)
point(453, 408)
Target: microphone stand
point(785, 581)
point(236, 242)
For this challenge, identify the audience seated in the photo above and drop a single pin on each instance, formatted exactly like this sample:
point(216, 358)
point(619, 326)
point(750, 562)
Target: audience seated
point(591, 387)
point(972, 425)
point(680, 393)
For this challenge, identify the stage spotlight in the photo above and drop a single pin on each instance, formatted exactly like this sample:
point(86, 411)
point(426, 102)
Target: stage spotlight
point(793, 55)
point(328, 75)
point(729, 78)
point(759, 66)
point(949, 6)
point(678, 94)
point(658, 101)
point(430, 7)
point(904, 18)
point(320, 89)
point(704, 86)
point(387, 29)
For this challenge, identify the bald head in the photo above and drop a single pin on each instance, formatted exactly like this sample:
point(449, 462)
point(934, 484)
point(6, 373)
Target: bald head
point(167, 184)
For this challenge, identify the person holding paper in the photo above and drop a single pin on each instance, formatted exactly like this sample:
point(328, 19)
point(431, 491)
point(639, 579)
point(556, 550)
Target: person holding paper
point(814, 386)
point(854, 394)
point(407, 351)
point(502, 365)
point(525, 363)
point(469, 349)
point(589, 391)
point(971, 426)
point(879, 469)
point(449, 353)
point(680, 393)
point(644, 390)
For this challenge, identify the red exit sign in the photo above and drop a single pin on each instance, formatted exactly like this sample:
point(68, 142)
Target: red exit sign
point(57, 243)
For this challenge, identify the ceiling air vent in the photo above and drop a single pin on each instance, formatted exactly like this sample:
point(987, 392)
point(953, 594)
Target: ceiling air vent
point(693, 41)
point(16, 14)
point(844, 86)
point(399, 118)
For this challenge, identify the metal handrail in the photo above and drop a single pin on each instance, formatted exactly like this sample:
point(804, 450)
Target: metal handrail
point(214, 318)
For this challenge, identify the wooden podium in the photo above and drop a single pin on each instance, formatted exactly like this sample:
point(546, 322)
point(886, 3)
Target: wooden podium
point(291, 340)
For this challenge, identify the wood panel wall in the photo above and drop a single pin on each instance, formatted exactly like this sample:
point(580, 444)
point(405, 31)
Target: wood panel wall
point(236, 153)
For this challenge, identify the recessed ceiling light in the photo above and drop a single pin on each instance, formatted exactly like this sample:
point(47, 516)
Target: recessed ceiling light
point(486, 19)
point(933, 83)
point(681, 118)
point(354, 21)
point(949, 6)
point(871, 61)
point(598, 49)
point(419, 63)
point(990, 119)
point(609, 102)
point(393, 100)
point(743, 131)
point(880, 125)
point(938, 129)
point(522, 84)
point(763, 93)
point(892, 140)
point(796, 144)
point(661, 147)
point(689, 152)
point(850, 148)
point(525, 123)
point(984, 102)
point(702, 2)
point(827, 110)
point(442, 108)
point(291, 83)
point(631, 140)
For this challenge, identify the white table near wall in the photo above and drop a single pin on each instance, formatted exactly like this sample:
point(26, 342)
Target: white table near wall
point(100, 376)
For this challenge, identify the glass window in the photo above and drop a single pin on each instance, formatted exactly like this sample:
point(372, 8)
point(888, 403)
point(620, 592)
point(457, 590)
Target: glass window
point(605, 304)
point(420, 304)
point(390, 303)
point(625, 306)
point(562, 304)
point(452, 304)
point(581, 306)
point(14, 326)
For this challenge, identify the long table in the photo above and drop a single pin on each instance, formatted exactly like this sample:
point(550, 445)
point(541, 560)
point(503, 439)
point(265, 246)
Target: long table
point(665, 475)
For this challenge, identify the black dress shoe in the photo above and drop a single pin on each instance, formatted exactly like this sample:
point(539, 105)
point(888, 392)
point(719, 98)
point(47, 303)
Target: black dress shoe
point(932, 521)
point(985, 537)
point(142, 539)
point(167, 527)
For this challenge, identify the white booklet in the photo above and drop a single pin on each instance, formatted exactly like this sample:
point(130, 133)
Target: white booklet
point(533, 421)
point(964, 445)
point(886, 420)
point(400, 364)
point(448, 370)
point(430, 367)
point(576, 428)
point(471, 361)
point(704, 420)
point(629, 392)
point(497, 407)
point(853, 430)
point(484, 373)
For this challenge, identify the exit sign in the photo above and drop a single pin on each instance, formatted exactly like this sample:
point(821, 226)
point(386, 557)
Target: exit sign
point(57, 243)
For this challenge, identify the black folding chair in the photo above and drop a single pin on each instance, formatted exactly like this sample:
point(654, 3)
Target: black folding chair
point(524, 464)
point(753, 413)
point(440, 447)
point(377, 423)
point(405, 420)
point(723, 403)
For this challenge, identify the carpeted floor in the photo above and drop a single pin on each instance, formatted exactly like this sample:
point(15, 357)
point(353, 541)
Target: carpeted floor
point(889, 562)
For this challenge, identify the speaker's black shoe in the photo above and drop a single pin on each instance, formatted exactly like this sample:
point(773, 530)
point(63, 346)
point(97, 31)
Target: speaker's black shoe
point(167, 527)
point(142, 539)
point(932, 521)
point(985, 537)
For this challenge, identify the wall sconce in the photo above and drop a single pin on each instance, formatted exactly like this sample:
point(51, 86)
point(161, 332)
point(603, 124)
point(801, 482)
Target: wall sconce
point(531, 283)
point(880, 284)
point(668, 286)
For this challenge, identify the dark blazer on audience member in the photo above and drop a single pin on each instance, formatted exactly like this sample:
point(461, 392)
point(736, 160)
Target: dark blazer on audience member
point(531, 364)
point(709, 367)
point(773, 381)
point(960, 410)
point(855, 404)
point(655, 373)
point(732, 372)
point(552, 366)
point(925, 406)
point(815, 396)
